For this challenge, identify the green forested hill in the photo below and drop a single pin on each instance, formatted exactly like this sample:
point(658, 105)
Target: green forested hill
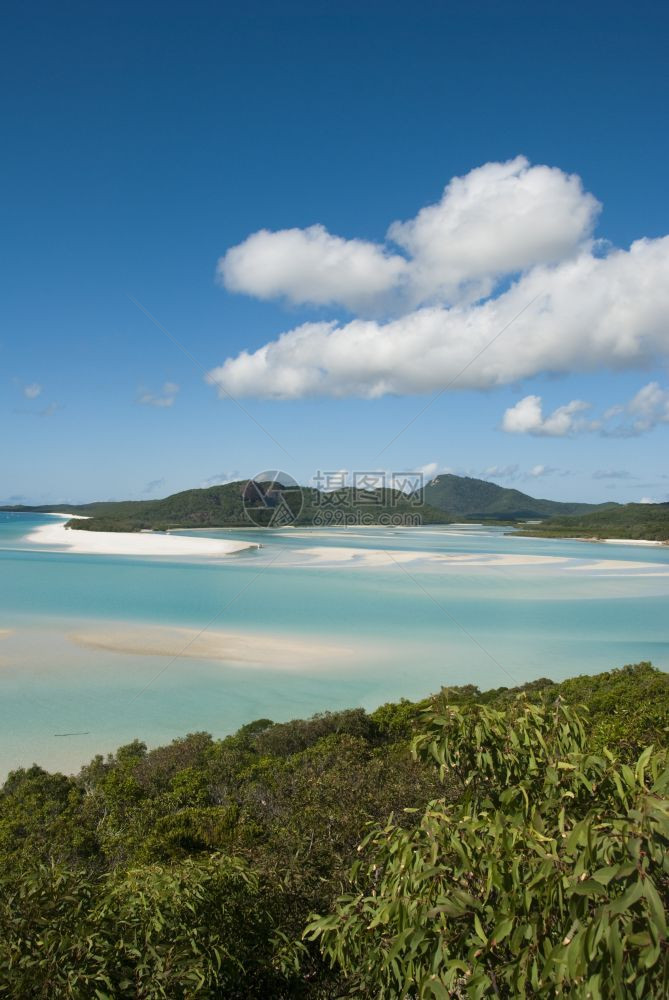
point(446, 498)
point(469, 499)
point(222, 507)
point(192, 870)
point(648, 521)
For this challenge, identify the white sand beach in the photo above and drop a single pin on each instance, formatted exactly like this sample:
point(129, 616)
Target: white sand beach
point(290, 653)
point(630, 541)
point(119, 543)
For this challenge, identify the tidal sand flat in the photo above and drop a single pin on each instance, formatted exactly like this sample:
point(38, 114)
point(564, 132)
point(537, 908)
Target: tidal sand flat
point(278, 652)
point(120, 543)
point(325, 556)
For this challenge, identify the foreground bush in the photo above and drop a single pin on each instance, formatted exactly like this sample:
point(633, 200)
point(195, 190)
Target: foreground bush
point(192, 929)
point(190, 870)
point(548, 877)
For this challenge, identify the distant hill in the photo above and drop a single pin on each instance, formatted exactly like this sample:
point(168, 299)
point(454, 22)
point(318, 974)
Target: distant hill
point(632, 520)
point(472, 499)
point(223, 507)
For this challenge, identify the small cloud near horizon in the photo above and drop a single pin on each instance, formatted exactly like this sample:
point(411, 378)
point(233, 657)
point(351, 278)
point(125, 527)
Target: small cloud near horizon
point(612, 474)
point(221, 478)
point(47, 411)
point(153, 485)
point(162, 400)
point(527, 417)
point(508, 473)
point(646, 410)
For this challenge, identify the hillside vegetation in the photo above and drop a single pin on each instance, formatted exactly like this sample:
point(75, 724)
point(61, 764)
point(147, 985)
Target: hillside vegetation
point(633, 520)
point(471, 499)
point(520, 850)
point(223, 507)
point(445, 499)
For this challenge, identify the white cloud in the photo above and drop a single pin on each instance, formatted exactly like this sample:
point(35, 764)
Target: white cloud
point(646, 410)
point(310, 265)
point(164, 399)
point(565, 305)
point(428, 471)
point(505, 472)
point(220, 479)
point(648, 500)
point(584, 314)
point(499, 219)
point(539, 471)
point(32, 391)
point(526, 417)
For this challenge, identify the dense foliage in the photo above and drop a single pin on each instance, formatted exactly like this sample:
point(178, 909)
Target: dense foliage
point(549, 875)
point(444, 499)
point(223, 507)
point(633, 520)
point(193, 869)
point(472, 499)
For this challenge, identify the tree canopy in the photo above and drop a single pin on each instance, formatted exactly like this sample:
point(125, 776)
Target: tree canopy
point(504, 843)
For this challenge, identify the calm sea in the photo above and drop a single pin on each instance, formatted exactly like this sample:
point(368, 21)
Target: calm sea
point(483, 614)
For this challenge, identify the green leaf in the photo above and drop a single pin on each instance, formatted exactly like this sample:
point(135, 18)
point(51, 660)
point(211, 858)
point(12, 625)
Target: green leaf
point(655, 905)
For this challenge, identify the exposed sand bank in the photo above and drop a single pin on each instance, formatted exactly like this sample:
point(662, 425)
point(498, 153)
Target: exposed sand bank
point(336, 556)
point(120, 543)
point(6, 632)
point(648, 568)
point(290, 653)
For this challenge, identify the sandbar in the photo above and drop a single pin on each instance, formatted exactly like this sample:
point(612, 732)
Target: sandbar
point(336, 556)
point(288, 653)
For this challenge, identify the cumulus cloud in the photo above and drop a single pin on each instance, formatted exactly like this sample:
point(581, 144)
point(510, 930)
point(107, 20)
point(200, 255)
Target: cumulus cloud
point(527, 417)
point(508, 249)
point(499, 219)
point(163, 399)
point(584, 314)
point(310, 266)
point(646, 410)
point(32, 391)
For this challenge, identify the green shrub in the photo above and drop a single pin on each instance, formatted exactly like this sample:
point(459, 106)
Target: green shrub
point(548, 877)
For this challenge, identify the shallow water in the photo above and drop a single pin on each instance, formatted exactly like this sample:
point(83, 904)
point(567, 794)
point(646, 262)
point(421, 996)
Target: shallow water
point(411, 614)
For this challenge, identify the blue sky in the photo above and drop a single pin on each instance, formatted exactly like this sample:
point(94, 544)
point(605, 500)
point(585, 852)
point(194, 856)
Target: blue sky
point(141, 147)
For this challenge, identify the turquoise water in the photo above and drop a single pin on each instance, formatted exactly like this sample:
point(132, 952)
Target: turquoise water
point(405, 628)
